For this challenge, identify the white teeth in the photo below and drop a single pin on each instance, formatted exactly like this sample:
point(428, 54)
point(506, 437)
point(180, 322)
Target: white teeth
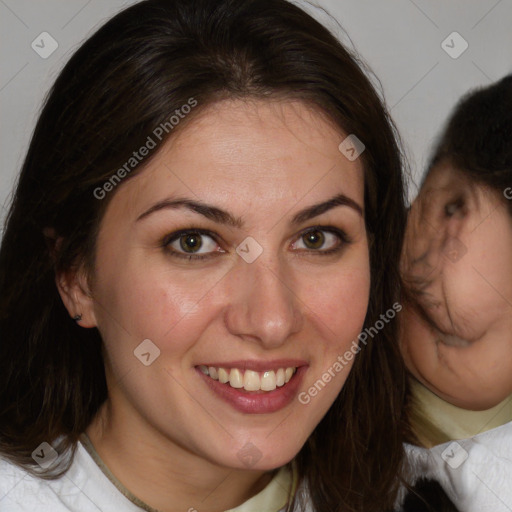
point(223, 376)
point(268, 381)
point(213, 372)
point(236, 379)
point(249, 379)
point(280, 378)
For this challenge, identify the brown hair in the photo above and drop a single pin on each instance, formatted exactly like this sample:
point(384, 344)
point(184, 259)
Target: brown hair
point(428, 496)
point(125, 80)
point(477, 138)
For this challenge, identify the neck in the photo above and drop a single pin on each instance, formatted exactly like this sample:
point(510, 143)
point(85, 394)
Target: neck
point(164, 475)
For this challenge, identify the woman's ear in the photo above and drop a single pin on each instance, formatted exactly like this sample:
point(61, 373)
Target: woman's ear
point(72, 284)
point(76, 295)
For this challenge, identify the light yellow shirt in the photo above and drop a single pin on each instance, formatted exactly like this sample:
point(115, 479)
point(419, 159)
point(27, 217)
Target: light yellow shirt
point(454, 422)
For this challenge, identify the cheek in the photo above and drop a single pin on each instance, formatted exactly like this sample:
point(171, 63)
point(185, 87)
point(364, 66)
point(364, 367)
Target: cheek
point(154, 304)
point(477, 287)
point(340, 302)
point(416, 343)
point(492, 262)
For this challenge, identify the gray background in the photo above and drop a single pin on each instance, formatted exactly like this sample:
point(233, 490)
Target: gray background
point(400, 40)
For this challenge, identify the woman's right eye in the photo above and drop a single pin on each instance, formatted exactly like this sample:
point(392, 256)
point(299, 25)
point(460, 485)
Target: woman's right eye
point(191, 244)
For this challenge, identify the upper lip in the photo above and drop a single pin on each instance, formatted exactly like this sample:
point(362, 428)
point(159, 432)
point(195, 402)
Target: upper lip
point(257, 365)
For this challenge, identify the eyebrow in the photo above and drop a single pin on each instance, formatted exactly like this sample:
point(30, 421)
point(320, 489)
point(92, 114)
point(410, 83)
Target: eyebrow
point(223, 217)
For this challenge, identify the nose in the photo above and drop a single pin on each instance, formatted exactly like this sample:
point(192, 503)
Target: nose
point(263, 305)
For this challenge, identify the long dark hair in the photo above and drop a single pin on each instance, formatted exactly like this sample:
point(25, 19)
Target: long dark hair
point(477, 138)
point(428, 496)
point(122, 83)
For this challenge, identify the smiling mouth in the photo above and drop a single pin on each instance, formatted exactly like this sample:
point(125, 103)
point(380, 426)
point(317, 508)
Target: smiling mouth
point(250, 380)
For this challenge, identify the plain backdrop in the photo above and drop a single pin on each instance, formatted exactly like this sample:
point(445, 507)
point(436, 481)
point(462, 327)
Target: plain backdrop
point(422, 66)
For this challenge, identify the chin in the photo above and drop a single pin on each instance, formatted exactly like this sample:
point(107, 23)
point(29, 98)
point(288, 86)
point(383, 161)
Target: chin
point(252, 458)
point(480, 403)
point(471, 399)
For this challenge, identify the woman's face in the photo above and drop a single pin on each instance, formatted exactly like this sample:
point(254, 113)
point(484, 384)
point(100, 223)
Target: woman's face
point(457, 263)
point(272, 280)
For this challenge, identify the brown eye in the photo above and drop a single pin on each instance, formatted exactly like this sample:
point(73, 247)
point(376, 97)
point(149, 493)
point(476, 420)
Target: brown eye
point(313, 239)
point(191, 242)
point(322, 241)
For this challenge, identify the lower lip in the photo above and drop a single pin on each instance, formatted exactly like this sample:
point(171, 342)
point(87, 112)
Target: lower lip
point(257, 402)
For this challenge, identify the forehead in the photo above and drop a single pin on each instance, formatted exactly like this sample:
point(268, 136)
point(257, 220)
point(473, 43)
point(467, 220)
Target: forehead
point(446, 182)
point(443, 175)
point(251, 152)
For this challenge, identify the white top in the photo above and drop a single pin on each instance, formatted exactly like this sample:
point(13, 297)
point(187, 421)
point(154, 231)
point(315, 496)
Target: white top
point(476, 472)
point(88, 487)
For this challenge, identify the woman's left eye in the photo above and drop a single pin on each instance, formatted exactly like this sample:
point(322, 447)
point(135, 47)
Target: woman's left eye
point(324, 241)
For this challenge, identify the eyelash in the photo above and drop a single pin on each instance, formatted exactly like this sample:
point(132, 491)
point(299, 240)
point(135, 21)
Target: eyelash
point(342, 236)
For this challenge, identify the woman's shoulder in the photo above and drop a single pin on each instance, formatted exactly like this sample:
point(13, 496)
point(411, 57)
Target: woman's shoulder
point(83, 487)
point(21, 491)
